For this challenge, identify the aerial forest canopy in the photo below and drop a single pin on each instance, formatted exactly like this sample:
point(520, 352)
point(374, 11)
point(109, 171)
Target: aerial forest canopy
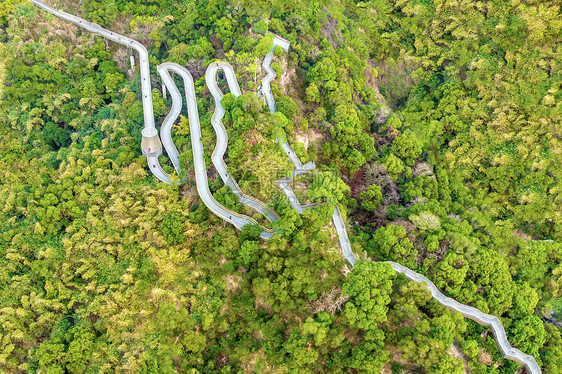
point(436, 127)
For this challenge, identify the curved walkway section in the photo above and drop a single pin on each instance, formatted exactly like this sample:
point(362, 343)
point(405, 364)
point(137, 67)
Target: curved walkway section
point(284, 183)
point(467, 311)
point(266, 64)
point(343, 238)
point(476, 315)
point(222, 136)
point(152, 148)
point(201, 180)
point(174, 113)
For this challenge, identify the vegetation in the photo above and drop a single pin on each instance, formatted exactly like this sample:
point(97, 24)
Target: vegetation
point(435, 127)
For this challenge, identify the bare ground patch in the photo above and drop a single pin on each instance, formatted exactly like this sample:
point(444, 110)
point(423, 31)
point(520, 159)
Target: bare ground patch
point(313, 135)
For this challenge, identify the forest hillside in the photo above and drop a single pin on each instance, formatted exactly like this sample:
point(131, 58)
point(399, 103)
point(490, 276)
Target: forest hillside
point(435, 126)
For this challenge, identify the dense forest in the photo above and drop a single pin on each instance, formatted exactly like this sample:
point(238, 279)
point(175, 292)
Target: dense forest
point(436, 126)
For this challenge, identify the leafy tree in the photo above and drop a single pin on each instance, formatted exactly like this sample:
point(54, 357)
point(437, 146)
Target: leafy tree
point(407, 147)
point(350, 147)
point(227, 101)
point(392, 243)
point(425, 221)
point(393, 122)
point(55, 136)
point(369, 356)
point(249, 252)
point(528, 335)
point(312, 93)
point(301, 354)
point(327, 187)
point(287, 106)
point(249, 232)
point(262, 26)
point(228, 198)
point(371, 198)
point(264, 46)
point(369, 286)
point(172, 227)
point(51, 356)
point(550, 353)
point(80, 349)
point(393, 165)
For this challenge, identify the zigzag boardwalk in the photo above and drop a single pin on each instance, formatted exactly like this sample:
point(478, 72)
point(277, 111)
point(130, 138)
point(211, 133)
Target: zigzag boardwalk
point(152, 148)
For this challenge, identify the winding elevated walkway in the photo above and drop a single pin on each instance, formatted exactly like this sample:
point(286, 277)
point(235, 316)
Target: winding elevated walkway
point(152, 146)
point(285, 183)
point(222, 136)
point(151, 143)
point(476, 315)
point(266, 64)
point(201, 179)
point(472, 313)
point(152, 149)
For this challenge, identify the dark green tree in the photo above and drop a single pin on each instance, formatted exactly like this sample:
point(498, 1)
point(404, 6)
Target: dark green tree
point(371, 198)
